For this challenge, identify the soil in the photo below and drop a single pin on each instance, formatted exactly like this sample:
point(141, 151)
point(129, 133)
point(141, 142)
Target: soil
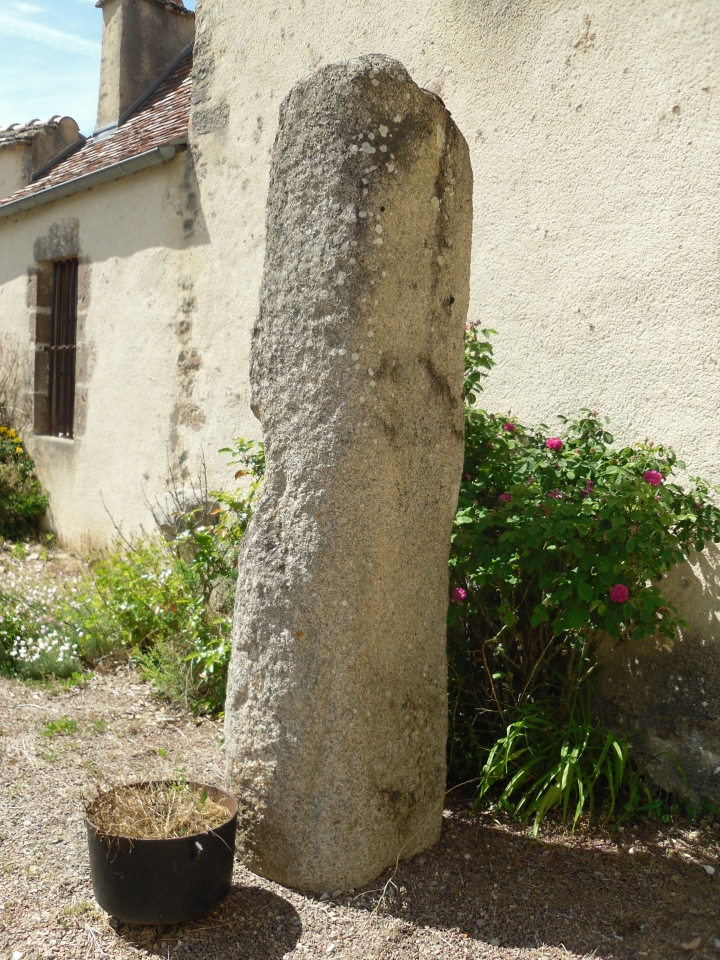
point(488, 889)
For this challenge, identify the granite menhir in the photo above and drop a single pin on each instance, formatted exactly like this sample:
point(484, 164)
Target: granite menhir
point(336, 712)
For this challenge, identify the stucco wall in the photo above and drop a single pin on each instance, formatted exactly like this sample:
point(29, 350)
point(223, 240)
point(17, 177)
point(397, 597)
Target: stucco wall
point(152, 371)
point(594, 130)
point(13, 167)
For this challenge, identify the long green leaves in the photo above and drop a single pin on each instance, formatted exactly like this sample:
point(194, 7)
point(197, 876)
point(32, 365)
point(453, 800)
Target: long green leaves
point(542, 762)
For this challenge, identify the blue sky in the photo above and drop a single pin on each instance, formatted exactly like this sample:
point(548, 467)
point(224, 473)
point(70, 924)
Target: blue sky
point(50, 60)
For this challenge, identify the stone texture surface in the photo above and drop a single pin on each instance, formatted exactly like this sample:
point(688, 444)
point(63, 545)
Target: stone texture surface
point(666, 695)
point(336, 709)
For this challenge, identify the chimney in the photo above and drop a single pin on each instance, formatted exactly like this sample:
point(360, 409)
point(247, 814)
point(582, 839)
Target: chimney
point(141, 38)
point(27, 149)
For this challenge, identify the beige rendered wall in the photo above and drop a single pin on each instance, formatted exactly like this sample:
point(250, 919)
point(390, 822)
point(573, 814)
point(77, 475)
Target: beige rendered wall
point(14, 164)
point(152, 372)
point(594, 131)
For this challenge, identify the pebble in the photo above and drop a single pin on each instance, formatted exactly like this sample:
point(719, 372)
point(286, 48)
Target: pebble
point(447, 908)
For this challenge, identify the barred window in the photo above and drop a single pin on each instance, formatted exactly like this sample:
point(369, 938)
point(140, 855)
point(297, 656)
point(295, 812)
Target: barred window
point(56, 349)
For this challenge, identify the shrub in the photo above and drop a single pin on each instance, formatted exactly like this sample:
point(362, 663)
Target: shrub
point(37, 637)
point(559, 541)
point(22, 501)
point(168, 601)
point(164, 601)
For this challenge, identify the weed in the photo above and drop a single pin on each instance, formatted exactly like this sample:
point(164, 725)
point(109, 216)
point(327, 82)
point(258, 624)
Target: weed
point(54, 686)
point(92, 769)
point(99, 725)
point(78, 909)
point(166, 602)
point(63, 727)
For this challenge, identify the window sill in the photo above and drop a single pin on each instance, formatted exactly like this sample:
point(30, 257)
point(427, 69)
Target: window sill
point(49, 438)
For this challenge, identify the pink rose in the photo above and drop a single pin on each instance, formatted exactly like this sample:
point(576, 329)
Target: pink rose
point(619, 593)
point(459, 594)
point(510, 427)
point(554, 443)
point(505, 497)
point(653, 477)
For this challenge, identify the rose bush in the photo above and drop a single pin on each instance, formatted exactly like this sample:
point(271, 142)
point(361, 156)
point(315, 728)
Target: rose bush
point(547, 533)
point(559, 540)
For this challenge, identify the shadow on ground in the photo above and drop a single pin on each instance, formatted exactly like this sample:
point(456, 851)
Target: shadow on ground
point(261, 923)
point(625, 897)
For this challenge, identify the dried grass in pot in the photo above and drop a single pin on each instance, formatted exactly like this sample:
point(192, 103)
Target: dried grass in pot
point(155, 811)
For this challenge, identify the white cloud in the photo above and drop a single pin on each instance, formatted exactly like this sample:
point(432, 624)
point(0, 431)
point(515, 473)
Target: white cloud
point(47, 36)
point(29, 8)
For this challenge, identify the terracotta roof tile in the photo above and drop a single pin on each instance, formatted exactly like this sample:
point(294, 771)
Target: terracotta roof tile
point(162, 118)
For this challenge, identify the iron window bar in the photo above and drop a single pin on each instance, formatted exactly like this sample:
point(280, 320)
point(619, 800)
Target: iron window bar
point(62, 348)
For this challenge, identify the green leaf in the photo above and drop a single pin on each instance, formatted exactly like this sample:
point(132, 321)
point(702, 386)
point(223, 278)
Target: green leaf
point(585, 591)
point(461, 519)
point(577, 618)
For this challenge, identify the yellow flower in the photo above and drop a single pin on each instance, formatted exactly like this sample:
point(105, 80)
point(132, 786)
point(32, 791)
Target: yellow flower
point(18, 449)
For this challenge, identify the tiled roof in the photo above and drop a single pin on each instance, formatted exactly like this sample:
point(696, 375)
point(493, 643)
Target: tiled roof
point(24, 132)
point(162, 118)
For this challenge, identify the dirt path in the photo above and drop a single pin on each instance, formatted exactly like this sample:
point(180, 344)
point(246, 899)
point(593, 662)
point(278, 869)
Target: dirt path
point(487, 890)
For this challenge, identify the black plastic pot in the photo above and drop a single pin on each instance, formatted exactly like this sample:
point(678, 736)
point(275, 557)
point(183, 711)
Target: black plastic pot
point(163, 881)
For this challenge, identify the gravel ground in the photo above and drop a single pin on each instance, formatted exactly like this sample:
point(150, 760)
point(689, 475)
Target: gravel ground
point(487, 890)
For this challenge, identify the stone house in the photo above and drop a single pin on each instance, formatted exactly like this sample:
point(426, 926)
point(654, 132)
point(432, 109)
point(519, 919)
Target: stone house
point(101, 244)
point(594, 133)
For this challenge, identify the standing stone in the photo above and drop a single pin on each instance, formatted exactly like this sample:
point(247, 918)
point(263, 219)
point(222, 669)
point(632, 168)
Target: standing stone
point(336, 709)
